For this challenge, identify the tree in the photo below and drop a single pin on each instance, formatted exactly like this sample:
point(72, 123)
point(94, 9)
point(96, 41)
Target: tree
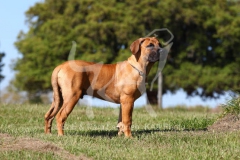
point(1, 66)
point(205, 54)
point(204, 59)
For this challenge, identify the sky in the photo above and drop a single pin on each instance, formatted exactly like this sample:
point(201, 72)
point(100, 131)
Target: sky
point(12, 21)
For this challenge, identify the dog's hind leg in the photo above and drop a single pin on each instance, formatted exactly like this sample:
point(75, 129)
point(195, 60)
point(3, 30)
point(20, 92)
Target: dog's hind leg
point(55, 107)
point(57, 101)
point(51, 113)
point(48, 119)
point(68, 105)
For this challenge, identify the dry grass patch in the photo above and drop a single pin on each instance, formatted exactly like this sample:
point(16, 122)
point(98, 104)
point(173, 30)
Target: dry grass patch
point(10, 143)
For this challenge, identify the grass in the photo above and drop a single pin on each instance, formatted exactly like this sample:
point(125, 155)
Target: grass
point(232, 106)
point(175, 133)
point(24, 154)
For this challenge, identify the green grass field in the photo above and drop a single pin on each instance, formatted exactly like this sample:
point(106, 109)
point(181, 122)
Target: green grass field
point(175, 133)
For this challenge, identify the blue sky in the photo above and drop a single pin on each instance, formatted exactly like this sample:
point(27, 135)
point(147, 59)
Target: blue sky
point(12, 21)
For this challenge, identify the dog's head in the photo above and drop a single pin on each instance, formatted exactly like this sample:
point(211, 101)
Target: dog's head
point(147, 48)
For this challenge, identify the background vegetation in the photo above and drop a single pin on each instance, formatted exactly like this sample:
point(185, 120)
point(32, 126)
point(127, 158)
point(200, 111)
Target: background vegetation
point(204, 59)
point(232, 106)
point(2, 54)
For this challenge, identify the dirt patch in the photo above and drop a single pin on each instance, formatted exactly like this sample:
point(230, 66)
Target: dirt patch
point(9, 143)
point(228, 123)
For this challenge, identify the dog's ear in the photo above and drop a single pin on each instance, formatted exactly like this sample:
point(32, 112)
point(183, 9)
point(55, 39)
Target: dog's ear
point(135, 46)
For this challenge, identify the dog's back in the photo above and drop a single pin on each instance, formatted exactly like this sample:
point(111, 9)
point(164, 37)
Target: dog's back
point(89, 77)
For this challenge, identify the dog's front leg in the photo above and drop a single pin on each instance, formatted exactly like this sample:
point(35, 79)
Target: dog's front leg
point(120, 124)
point(126, 112)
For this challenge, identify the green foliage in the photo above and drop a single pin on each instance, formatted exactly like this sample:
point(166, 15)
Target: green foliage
point(232, 106)
point(1, 65)
point(205, 53)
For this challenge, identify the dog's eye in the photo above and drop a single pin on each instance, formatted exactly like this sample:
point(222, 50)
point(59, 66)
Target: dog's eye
point(150, 45)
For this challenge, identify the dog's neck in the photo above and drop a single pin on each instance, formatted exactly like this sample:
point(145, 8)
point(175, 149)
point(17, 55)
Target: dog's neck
point(141, 65)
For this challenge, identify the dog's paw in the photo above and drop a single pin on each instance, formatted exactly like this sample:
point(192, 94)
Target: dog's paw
point(120, 127)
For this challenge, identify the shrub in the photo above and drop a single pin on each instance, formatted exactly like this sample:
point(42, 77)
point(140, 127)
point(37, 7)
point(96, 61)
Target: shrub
point(232, 106)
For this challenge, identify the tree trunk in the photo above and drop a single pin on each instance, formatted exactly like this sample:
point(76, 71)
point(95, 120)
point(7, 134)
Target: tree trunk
point(152, 97)
point(160, 90)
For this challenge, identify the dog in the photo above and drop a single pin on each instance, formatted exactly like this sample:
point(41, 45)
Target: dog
point(120, 83)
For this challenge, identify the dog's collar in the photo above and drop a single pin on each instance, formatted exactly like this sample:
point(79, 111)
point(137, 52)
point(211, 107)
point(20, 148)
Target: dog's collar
point(140, 72)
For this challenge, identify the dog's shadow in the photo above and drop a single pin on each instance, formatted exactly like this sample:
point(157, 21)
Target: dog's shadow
point(135, 133)
point(94, 133)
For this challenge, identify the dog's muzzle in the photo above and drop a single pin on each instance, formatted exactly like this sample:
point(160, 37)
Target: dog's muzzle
point(154, 56)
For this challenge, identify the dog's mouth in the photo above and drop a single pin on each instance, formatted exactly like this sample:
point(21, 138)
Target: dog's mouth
point(154, 55)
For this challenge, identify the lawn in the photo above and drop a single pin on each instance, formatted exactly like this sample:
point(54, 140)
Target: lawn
point(174, 133)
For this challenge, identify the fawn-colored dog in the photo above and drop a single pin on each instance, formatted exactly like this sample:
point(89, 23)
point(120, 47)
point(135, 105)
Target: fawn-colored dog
point(121, 83)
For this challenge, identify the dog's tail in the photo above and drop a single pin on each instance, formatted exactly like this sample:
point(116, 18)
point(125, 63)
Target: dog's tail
point(57, 96)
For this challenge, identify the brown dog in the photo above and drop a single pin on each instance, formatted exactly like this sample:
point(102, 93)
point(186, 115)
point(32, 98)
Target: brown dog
point(122, 83)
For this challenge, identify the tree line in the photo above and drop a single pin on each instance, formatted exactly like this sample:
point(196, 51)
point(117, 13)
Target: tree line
point(204, 59)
